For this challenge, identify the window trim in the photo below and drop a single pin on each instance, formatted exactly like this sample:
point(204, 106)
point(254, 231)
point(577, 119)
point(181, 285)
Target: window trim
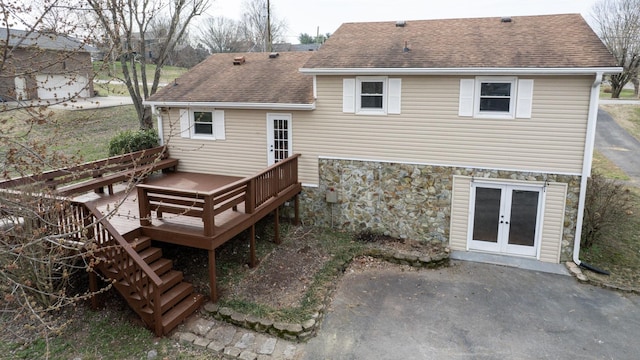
point(192, 124)
point(511, 114)
point(187, 124)
point(385, 95)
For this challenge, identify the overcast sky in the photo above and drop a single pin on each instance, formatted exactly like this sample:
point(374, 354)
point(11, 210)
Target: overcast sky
point(304, 16)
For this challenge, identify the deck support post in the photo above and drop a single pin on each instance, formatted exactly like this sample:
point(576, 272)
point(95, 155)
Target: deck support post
point(144, 207)
point(276, 226)
point(252, 247)
point(212, 275)
point(296, 207)
point(93, 288)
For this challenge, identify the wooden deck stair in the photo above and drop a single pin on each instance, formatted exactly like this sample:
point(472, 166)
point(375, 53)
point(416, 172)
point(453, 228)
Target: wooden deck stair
point(177, 300)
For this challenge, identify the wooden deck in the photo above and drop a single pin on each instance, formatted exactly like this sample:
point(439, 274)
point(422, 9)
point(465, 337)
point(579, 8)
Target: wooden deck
point(126, 218)
point(199, 210)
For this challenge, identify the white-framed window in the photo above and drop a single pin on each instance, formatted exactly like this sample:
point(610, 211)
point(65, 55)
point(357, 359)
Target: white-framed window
point(202, 124)
point(495, 97)
point(371, 95)
point(499, 97)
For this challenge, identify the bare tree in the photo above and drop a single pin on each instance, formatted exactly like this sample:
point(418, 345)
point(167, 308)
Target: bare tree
point(260, 25)
point(127, 25)
point(618, 25)
point(221, 35)
point(39, 256)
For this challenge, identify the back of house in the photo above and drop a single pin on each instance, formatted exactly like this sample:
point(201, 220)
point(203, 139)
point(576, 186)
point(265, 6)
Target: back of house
point(477, 133)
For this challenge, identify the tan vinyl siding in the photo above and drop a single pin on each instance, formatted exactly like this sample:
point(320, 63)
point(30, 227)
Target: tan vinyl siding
point(429, 130)
point(459, 213)
point(242, 153)
point(553, 224)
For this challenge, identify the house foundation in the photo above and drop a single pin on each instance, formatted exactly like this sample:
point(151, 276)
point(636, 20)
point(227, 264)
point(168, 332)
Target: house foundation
point(409, 200)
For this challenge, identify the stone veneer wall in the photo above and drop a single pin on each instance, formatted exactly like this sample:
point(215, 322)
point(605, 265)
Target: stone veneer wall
point(407, 200)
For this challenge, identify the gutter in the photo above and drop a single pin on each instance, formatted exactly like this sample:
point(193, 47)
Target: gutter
point(586, 163)
point(471, 71)
point(232, 105)
point(154, 111)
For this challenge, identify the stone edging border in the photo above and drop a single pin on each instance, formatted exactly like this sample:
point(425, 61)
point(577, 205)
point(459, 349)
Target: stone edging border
point(306, 330)
point(577, 272)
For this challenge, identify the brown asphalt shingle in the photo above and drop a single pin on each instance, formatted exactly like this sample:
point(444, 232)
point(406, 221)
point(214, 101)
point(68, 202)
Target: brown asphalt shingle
point(546, 41)
point(259, 80)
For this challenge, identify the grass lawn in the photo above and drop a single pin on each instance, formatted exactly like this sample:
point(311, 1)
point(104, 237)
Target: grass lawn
point(111, 333)
point(81, 133)
point(606, 168)
point(105, 71)
point(118, 89)
point(624, 94)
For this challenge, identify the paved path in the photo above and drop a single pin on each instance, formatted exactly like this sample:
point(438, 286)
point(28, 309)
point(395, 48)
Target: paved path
point(475, 311)
point(235, 342)
point(618, 146)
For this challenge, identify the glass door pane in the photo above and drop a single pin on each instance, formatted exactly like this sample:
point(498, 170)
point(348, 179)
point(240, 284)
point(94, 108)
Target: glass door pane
point(487, 214)
point(524, 217)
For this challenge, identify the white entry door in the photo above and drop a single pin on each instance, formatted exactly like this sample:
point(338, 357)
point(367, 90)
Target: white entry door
point(505, 218)
point(278, 137)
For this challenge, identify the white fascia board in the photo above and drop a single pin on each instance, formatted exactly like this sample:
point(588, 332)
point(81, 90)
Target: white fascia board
point(461, 71)
point(232, 105)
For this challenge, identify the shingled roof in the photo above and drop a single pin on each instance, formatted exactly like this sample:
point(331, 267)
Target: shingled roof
point(259, 80)
point(49, 41)
point(546, 41)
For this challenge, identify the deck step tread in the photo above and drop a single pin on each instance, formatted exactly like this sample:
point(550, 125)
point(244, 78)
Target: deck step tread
point(181, 311)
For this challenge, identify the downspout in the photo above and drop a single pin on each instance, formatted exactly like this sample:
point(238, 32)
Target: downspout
point(586, 163)
point(159, 116)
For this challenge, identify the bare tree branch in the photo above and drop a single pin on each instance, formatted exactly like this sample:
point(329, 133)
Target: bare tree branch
point(618, 25)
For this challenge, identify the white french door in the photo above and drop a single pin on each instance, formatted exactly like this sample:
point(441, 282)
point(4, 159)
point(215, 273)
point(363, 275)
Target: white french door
point(278, 137)
point(505, 218)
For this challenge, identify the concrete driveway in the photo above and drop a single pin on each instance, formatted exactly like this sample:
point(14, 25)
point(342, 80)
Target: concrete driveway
point(93, 103)
point(475, 311)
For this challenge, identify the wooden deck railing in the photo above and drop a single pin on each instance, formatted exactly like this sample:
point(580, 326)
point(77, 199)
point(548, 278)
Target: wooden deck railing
point(95, 175)
point(252, 192)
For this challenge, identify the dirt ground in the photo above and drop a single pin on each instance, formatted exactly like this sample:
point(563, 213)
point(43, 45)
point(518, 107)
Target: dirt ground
point(286, 270)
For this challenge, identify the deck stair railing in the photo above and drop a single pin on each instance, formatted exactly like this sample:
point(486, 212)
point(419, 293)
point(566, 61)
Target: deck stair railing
point(118, 260)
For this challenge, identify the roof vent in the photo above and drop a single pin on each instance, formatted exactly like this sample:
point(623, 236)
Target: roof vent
point(238, 60)
point(506, 19)
point(401, 23)
point(273, 55)
point(406, 47)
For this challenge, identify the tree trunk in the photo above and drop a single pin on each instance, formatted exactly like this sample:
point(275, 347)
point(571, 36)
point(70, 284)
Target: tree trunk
point(146, 122)
point(636, 84)
point(615, 91)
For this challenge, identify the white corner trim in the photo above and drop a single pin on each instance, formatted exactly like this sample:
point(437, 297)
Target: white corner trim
point(449, 165)
point(461, 71)
point(232, 105)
